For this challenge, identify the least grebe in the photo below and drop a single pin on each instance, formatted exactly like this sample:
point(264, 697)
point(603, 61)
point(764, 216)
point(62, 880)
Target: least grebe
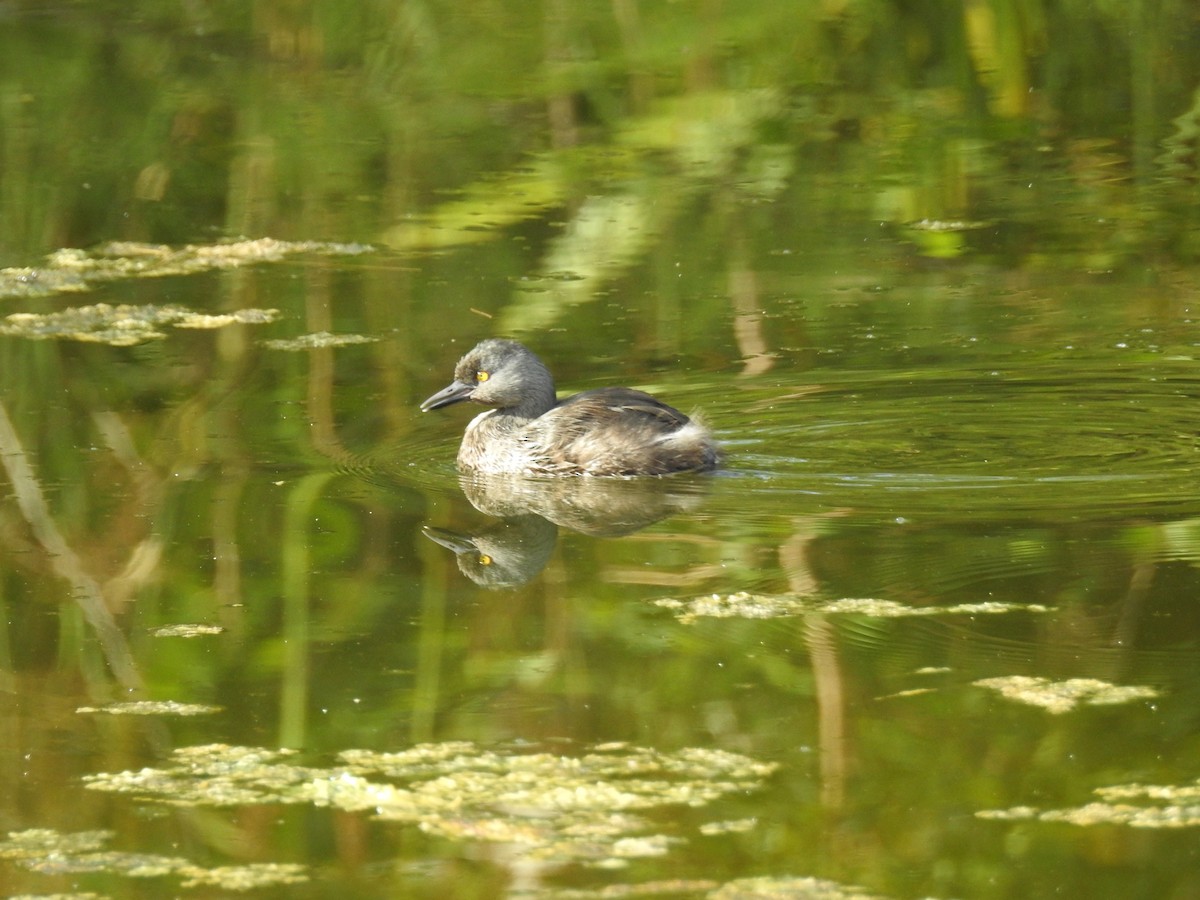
point(607, 431)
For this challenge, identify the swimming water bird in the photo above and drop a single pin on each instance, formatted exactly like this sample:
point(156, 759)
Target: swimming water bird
point(607, 431)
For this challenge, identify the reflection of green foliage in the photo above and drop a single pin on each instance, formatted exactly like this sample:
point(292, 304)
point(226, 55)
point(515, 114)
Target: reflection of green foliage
point(396, 104)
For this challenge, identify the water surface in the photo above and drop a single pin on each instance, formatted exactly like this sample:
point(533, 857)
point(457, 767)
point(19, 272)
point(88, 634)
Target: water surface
point(931, 632)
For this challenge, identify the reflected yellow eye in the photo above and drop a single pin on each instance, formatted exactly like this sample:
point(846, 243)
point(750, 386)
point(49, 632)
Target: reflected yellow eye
point(482, 376)
point(484, 559)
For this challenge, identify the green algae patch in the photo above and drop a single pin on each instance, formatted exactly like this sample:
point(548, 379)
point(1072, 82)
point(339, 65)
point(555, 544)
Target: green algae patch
point(188, 630)
point(152, 708)
point(663, 888)
point(586, 808)
point(75, 271)
point(123, 325)
point(789, 888)
point(744, 605)
point(730, 826)
point(1063, 696)
point(319, 340)
point(243, 878)
point(1158, 806)
point(784, 887)
point(50, 852)
point(213, 775)
point(35, 843)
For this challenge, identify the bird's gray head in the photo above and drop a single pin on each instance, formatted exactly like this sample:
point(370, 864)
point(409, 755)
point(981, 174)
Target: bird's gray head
point(499, 373)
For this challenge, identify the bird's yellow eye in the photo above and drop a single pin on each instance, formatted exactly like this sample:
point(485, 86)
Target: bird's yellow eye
point(482, 376)
point(484, 559)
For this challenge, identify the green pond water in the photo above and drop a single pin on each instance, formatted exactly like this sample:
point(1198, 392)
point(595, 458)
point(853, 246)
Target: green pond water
point(929, 271)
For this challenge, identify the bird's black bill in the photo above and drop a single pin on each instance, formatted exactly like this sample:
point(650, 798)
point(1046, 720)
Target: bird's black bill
point(451, 540)
point(456, 392)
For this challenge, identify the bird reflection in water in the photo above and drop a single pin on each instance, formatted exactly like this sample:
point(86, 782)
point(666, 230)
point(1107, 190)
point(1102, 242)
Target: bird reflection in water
point(515, 549)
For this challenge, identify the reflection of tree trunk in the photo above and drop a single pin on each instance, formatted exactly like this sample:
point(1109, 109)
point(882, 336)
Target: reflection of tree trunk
point(431, 644)
point(827, 676)
point(564, 129)
point(747, 321)
point(641, 83)
point(831, 708)
point(700, 72)
point(321, 369)
point(295, 574)
point(144, 559)
point(227, 556)
point(1146, 51)
point(87, 592)
point(1140, 581)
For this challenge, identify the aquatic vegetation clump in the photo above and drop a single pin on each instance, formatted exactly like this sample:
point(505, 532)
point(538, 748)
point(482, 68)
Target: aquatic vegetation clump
point(50, 852)
point(731, 826)
point(213, 775)
point(744, 605)
point(188, 630)
point(890, 609)
point(581, 808)
point(152, 708)
point(789, 888)
point(1063, 696)
point(34, 843)
point(243, 878)
point(72, 271)
point(1162, 806)
point(684, 887)
point(319, 340)
point(124, 325)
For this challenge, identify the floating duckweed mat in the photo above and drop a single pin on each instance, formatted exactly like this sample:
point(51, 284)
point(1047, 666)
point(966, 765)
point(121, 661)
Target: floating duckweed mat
point(75, 271)
point(1063, 696)
point(785, 887)
point(35, 843)
point(1162, 806)
point(52, 853)
point(789, 888)
point(188, 630)
point(318, 340)
point(731, 826)
point(745, 605)
point(124, 325)
point(564, 808)
point(692, 887)
point(152, 708)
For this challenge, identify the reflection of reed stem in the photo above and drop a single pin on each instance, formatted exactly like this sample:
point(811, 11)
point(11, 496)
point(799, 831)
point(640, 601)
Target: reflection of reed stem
point(86, 591)
point(821, 641)
point(831, 707)
point(318, 317)
point(1131, 607)
point(294, 577)
point(747, 322)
